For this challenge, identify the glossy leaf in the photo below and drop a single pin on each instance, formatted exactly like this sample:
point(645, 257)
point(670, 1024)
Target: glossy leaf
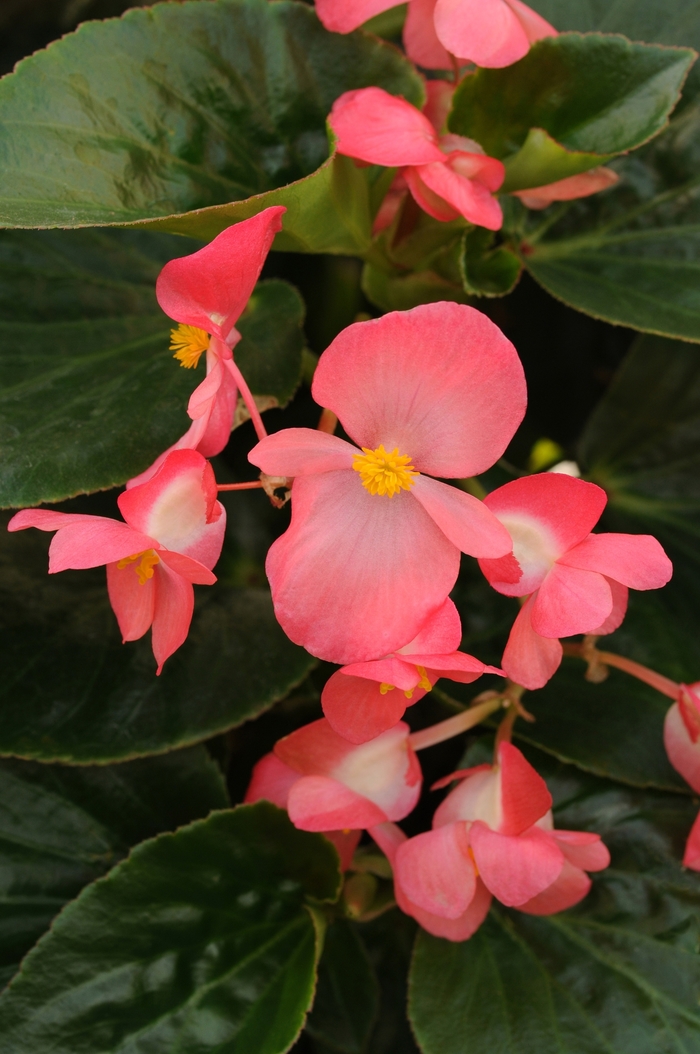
point(573, 102)
point(61, 828)
point(488, 269)
point(202, 940)
point(347, 993)
point(89, 392)
point(620, 973)
point(187, 108)
point(73, 692)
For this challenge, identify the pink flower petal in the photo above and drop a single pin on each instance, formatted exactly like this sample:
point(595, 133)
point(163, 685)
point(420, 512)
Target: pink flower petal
point(515, 868)
point(436, 872)
point(458, 667)
point(421, 42)
point(465, 520)
point(174, 604)
point(302, 452)
point(439, 94)
point(536, 27)
point(211, 287)
point(428, 200)
point(683, 752)
point(441, 634)
point(272, 780)
point(382, 129)
point(83, 541)
point(469, 197)
point(570, 601)
point(319, 803)
point(636, 560)
point(581, 186)
point(486, 32)
point(691, 857)
point(620, 598)
point(345, 546)
point(568, 889)
point(218, 416)
point(583, 849)
point(342, 17)
point(188, 568)
point(440, 382)
point(313, 750)
point(524, 795)
point(346, 843)
point(529, 659)
point(460, 929)
point(391, 670)
point(132, 602)
point(356, 709)
point(465, 160)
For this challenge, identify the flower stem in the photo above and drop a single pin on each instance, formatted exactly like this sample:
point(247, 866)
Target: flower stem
point(239, 486)
point(597, 659)
point(428, 737)
point(327, 422)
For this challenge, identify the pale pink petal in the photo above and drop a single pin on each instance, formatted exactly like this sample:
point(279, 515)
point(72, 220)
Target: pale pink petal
point(346, 843)
point(568, 889)
point(179, 507)
point(486, 32)
point(536, 27)
point(458, 774)
point(466, 160)
point(691, 857)
point(466, 521)
point(272, 780)
point(428, 200)
point(210, 288)
point(192, 570)
point(683, 752)
point(385, 770)
point(581, 186)
point(530, 659)
point(477, 797)
point(356, 709)
point(440, 382)
point(636, 560)
point(524, 795)
point(515, 868)
point(342, 17)
point(302, 452)
point(356, 575)
point(319, 803)
point(382, 129)
point(441, 634)
point(570, 601)
point(174, 604)
point(469, 197)
point(436, 871)
point(439, 94)
point(620, 598)
point(132, 602)
point(421, 42)
point(391, 670)
point(583, 849)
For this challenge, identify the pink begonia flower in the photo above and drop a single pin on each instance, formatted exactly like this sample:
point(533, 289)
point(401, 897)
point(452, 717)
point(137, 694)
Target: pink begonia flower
point(172, 537)
point(575, 581)
point(207, 292)
point(449, 176)
point(494, 828)
point(326, 784)
point(364, 699)
point(581, 186)
point(373, 547)
point(491, 33)
point(682, 742)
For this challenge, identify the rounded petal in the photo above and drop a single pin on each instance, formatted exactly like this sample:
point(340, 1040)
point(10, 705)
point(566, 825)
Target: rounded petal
point(486, 32)
point(469, 197)
point(620, 599)
point(515, 868)
point(466, 521)
point(636, 560)
point(440, 382)
point(529, 659)
point(313, 750)
point(132, 602)
point(421, 42)
point(319, 803)
point(272, 780)
point(466, 158)
point(460, 929)
point(525, 798)
point(441, 633)
point(536, 27)
point(691, 857)
point(568, 889)
point(436, 871)
point(356, 709)
point(570, 601)
point(172, 612)
point(356, 575)
point(583, 849)
point(382, 129)
point(211, 287)
point(302, 452)
point(428, 200)
point(342, 17)
point(683, 751)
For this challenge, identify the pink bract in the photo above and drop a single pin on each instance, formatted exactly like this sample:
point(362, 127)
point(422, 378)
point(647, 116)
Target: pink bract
point(576, 581)
point(172, 537)
point(448, 177)
point(682, 735)
point(364, 699)
point(209, 289)
point(358, 574)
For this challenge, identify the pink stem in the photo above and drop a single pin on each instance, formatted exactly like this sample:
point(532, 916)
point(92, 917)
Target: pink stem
point(248, 399)
point(428, 737)
point(327, 422)
point(239, 486)
point(642, 673)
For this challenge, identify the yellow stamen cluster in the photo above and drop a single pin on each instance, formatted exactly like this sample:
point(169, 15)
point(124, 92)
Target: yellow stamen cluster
point(423, 683)
point(189, 343)
point(149, 558)
point(385, 473)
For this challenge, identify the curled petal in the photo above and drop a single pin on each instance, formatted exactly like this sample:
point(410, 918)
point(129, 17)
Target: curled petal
point(391, 670)
point(620, 598)
point(460, 929)
point(524, 795)
point(570, 601)
point(441, 634)
point(319, 803)
point(465, 520)
point(132, 602)
point(383, 129)
point(341, 17)
point(468, 197)
point(428, 200)
point(83, 541)
point(421, 41)
point(188, 568)
point(568, 889)
point(272, 780)
point(583, 849)
point(490, 33)
point(530, 659)
point(458, 667)
point(636, 560)
point(357, 710)
point(436, 871)
point(683, 752)
point(581, 186)
point(515, 868)
point(302, 452)
point(172, 614)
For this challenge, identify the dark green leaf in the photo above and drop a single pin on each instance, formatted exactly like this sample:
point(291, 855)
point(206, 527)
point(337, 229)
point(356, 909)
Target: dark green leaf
point(392, 291)
point(61, 828)
point(188, 107)
point(389, 940)
point(201, 941)
point(488, 270)
point(90, 393)
point(573, 102)
point(347, 993)
point(72, 692)
point(620, 973)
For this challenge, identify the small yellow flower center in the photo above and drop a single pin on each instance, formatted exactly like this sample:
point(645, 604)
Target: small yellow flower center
point(424, 682)
point(384, 473)
point(149, 558)
point(188, 343)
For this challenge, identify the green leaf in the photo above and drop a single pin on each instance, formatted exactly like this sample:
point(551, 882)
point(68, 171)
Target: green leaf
point(572, 103)
point(201, 941)
point(389, 940)
point(396, 291)
point(186, 108)
point(620, 973)
point(61, 828)
point(89, 393)
point(347, 994)
point(488, 269)
point(73, 692)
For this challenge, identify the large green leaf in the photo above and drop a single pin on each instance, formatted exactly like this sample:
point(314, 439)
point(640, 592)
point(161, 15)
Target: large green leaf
point(572, 103)
point(185, 108)
point(619, 974)
point(203, 940)
point(347, 994)
point(89, 393)
point(61, 828)
point(72, 692)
